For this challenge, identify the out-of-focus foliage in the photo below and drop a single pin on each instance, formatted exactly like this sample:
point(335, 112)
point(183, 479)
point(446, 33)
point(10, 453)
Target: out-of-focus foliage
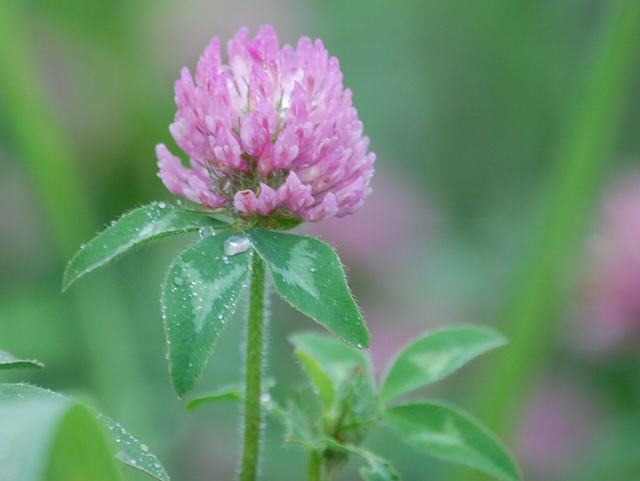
point(48, 437)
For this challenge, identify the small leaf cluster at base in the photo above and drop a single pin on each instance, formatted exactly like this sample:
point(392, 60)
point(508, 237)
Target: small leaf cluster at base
point(350, 404)
point(346, 404)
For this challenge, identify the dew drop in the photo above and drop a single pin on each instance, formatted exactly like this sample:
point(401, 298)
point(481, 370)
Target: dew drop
point(162, 205)
point(144, 448)
point(236, 245)
point(178, 281)
point(146, 231)
point(206, 231)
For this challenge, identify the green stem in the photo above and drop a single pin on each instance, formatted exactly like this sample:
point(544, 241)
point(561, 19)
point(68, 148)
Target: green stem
point(314, 469)
point(253, 373)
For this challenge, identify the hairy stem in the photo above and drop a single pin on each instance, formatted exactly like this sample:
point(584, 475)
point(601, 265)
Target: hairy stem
point(253, 373)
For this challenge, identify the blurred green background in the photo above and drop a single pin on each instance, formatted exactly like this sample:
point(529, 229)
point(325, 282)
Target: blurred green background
point(498, 126)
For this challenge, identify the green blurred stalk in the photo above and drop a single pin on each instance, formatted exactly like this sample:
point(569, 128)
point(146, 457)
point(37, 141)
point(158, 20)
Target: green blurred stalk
point(48, 158)
point(532, 317)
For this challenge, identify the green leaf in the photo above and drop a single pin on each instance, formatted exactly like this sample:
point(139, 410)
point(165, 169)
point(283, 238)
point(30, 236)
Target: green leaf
point(327, 362)
point(79, 449)
point(29, 416)
point(49, 438)
point(307, 274)
point(134, 228)
point(132, 452)
point(358, 407)
point(229, 393)
point(318, 376)
point(232, 392)
point(435, 355)
point(377, 469)
point(8, 361)
point(452, 435)
point(199, 295)
point(298, 429)
point(343, 380)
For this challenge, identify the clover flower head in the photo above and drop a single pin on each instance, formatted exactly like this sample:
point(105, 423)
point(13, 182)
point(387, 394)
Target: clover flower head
point(271, 132)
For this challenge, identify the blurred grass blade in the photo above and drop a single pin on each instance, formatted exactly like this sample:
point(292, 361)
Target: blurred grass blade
point(308, 274)
point(38, 134)
point(8, 361)
point(29, 417)
point(452, 435)
point(435, 355)
point(532, 315)
point(199, 295)
point(134, 228)
point(48, 158)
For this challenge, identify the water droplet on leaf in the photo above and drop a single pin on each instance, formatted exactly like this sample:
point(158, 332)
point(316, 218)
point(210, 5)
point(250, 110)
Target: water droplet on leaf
point(206, 231)
point(236, 245)
point(178, 281)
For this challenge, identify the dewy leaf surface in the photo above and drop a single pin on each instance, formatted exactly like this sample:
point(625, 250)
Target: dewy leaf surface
point(452, 435)
point(9, 361)
point(141, 225)
point(27, 412)
point(435, 355)
point(308, 274)
point(199, 295)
